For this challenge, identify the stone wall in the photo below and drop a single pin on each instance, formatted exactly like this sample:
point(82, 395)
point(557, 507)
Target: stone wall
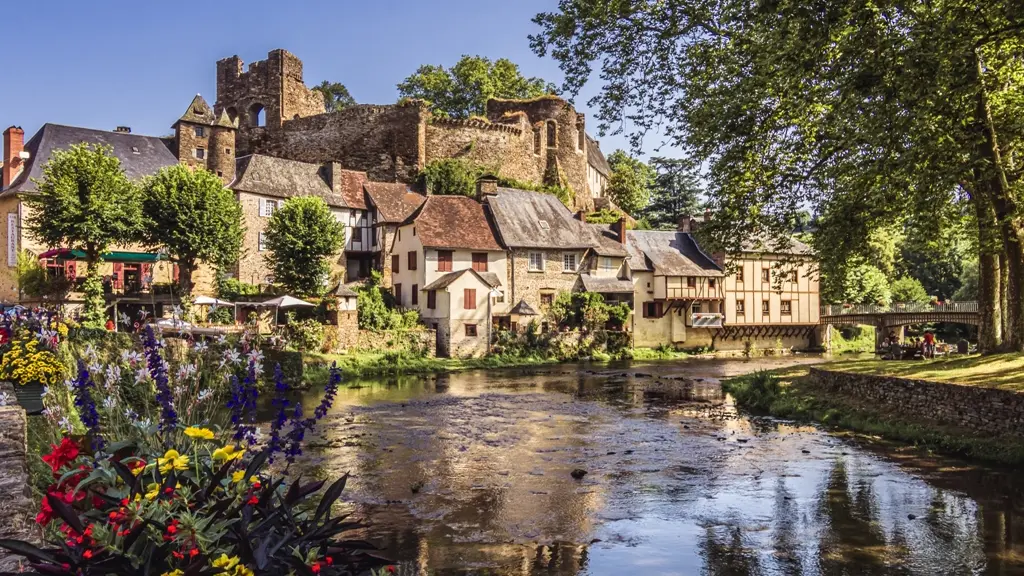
point(984, 411)
point(397, 341)
point(526, 285)
point(17, 509)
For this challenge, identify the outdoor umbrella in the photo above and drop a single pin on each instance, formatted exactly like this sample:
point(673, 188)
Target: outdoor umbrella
point(284, 302)
point(209, 301)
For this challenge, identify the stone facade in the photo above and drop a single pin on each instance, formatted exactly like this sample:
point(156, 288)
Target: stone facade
point(983, 411)
point(17, 510)
point(525, 284)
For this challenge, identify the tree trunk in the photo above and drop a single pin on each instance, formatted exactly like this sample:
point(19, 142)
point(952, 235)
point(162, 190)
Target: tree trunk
point(989, 276)
point(185, 269)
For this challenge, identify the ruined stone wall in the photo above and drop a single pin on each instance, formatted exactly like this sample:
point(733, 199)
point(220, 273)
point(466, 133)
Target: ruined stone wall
point(383, 141)
point(984, 411)
point(506, 149)
point(415, 341)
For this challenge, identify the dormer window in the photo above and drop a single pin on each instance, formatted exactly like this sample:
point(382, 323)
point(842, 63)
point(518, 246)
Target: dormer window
point(135, 150)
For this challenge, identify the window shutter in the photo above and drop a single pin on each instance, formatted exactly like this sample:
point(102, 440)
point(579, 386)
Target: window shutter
point(469, 297)
point(118, 280)
point(263, 206)
point(71, 270)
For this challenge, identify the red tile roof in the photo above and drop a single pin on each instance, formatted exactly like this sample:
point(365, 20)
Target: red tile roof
point(455, 222)
point(352, 188)
point(394, 200)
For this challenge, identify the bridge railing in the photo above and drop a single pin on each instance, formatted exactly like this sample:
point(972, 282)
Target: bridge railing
point(898, 308)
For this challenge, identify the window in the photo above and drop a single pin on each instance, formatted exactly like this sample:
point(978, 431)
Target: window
point(607, 264)
point(395, 261)
point(415, 296)
point(431, 299)
point(536, 141)
point(480, 261)
point(691, 282)
point(267, 207)
point(711, 283)
point(257, 115)
point(552, 134)
point(536, 262)
point(412, 260)
point(499, 298)
point(444, 260)
point(469, 299)
point(581, 135)
point(765, 307)
point(546, 299)
point(199, 153)
point(398, 294)
point(261, 242)
point(766, 275)
point(792, 276)
point(413, 230)
point(568, 262)
point(199, 131)
point(696, 308)
point(471, 330)
point(739, 274)
point(135, 150)
point(787, 307)
point(741, 307)
point(652, 309)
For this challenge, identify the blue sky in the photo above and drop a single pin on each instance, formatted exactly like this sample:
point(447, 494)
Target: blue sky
point(106, 63)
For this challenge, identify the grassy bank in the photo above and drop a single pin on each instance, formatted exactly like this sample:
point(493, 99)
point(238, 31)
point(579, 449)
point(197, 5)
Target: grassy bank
point(1004, 371)
point(789, 393)
point(853, 339)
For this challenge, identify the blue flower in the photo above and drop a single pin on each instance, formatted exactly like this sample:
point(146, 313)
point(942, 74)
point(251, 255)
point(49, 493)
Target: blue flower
point(158, 371)
point(280, 402)
point(86, 406)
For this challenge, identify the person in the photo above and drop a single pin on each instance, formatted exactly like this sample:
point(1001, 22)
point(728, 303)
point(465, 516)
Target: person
point(929, 344)
point(110, 325)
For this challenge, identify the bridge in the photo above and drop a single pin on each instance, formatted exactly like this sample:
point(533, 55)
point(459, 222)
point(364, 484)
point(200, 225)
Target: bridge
point(886, 318)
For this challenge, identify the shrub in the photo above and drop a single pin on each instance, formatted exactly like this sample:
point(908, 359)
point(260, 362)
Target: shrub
point(230, 289)
point(221, 315)
point(304, 335)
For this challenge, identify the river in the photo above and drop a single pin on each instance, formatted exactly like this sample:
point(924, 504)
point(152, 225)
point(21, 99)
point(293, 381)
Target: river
point(472, 473)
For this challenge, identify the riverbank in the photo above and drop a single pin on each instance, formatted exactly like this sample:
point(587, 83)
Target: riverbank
point(791, 393)
point(1000, 371)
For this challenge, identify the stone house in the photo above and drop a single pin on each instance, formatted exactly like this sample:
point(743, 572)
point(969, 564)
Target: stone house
point(392, 204)
point(542, 140)
point(448, 264)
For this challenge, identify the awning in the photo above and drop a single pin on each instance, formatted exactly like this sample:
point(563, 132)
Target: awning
point(208, 301)
point(114, 256)
point(285, 302)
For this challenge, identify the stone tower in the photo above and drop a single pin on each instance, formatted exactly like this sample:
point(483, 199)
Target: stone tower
point(222, 148)
point(265, 96)
point(204, 141)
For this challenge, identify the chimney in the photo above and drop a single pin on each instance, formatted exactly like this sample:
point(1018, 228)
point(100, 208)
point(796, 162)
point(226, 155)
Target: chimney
point(621, 229)
point(579, 215)
point(123, 129)
point(14, 144)
point(486, 185)
point(684, 223)
point(331, 173)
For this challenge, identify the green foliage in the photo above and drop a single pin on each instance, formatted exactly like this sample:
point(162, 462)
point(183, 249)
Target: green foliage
point(192, 214)
point(586, 310)
point(301, 237)
point(231, 288)
point(336, 95)
point(852, 339)
point(452, 176)
point(463, 90)
point(84, 201)
point(861, 284)
point(968, 290)
point(631, 182)
point(908, 289)
point(94, 311)
point(675, 193)
point(603, 216)
point(304, 335)
point(34, 282)
point(221, 315)
point(562, 192)
point(377, 311)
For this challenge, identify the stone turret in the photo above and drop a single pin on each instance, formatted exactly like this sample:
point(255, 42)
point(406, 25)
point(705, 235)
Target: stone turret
point(222, 148)
point(192, 133)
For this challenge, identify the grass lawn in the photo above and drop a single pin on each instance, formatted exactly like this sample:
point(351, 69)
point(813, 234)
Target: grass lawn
point(1005, 371)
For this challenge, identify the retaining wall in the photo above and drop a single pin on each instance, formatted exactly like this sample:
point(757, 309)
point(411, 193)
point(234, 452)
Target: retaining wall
point(985, 411)
point(17, 509)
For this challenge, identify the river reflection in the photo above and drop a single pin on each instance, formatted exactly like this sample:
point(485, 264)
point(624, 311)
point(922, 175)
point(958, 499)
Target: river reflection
point(472, 473)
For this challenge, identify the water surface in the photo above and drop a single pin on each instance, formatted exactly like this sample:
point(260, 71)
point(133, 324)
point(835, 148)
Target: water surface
point(472, 473)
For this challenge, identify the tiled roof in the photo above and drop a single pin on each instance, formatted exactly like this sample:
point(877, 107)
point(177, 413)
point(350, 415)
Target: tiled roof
point(270, 176)
point(596, 158)
point(671, 253)
point(606, 241)
point(394, 200)
point(795, 247)
point(345, 291)
point(537, 220)
point(454, 222)
point(523, 309)
point(488, 278)
point(351, 188)
point(605, 285)
point(140, 156)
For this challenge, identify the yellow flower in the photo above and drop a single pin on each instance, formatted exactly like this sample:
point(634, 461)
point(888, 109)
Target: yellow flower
point(175, 572)
point(228, 453)
point(225, 562)
point(200, 433)
point(238, 476)
point(241, 570)
point(152, 491)
point(172, 460)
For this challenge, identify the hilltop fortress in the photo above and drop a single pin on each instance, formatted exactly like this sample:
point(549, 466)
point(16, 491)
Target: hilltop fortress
point(541, 141)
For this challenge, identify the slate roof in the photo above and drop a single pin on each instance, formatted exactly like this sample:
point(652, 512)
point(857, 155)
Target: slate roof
point(671, 254)
point(523, 309)
point(606, 241)
point(596, 158)
point(455, 222)
point(152, 153)
point(394, 200)
point(280, 178)
point(527, 219)
point(605, 285)
point(488, 278)
point(199, 112)
point(795, 247)
point(345, 291)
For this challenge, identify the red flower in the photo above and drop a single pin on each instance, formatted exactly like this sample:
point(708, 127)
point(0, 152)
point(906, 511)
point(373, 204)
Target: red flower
point(329, 560)
point(391, 569)
point(193, 552)
point(254, 501)
point(61, 455)
point(87, 554)
point(315, 568)
point(45, 512)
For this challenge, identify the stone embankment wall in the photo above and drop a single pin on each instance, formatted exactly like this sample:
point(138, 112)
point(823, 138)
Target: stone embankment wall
point(17, 509)
point(985, 411)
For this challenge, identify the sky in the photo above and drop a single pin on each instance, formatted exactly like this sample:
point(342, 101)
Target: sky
point(109, 63)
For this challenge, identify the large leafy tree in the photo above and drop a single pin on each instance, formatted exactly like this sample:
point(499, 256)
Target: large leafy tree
point(85, 202)
point(463, 90)
point(191, 213)
point(872, 112)
point(630, 183)
point(336, 95)
point(676, 192)
point(302, 236)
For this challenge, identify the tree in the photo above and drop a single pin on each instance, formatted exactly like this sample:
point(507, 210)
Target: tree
point(860, 284)
point(302, 236)
point(676, 192)
point(630, 183)
point(192, 214)
point(463, 90)
point(909, 290)
point(452, 176)
point(870, 112)
point(85, 202)
point(336, 95)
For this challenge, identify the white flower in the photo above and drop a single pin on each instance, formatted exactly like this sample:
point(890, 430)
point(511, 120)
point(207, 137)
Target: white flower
point(65, 424)
point(176, 311)
point(179, 390)
point(258, 434)
point(94, 368)
point(142, 375)
point(232, 356)
point(144, 423)
point(46, 390)
point(113, 373)
point(130, 414)
point(204, 394)
point(222, 339)
point(132, 357)
point(124, 319)
point(6, 399)
point(255, 355)
point(109, 402)
point(90, 352)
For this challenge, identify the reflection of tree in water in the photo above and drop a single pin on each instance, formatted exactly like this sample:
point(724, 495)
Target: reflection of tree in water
point(725, 553)
point(851, 541)
point(784, 538)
